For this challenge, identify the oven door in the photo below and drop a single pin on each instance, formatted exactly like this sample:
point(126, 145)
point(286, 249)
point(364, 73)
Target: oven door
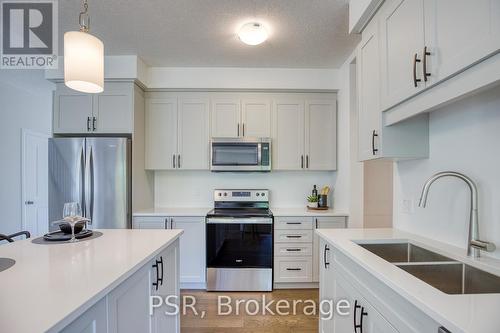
point(239, 242)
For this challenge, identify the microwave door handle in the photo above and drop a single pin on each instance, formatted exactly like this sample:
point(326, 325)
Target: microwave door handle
point(259, 154)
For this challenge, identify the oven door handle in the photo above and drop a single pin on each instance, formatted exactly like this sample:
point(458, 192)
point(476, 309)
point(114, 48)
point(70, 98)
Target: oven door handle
point(243, 220)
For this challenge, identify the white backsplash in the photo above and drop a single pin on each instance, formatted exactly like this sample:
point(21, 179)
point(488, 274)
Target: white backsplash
point(195, 188)
point(464, 137)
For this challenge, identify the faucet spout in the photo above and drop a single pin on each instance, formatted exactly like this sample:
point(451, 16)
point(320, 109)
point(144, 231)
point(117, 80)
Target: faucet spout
point(474, 243)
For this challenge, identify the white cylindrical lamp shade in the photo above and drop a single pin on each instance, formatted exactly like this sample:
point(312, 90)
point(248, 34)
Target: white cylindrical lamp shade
point(83, 62)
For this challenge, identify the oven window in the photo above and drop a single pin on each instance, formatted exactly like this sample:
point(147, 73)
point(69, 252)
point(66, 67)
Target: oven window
point(239, 245)
point(234, 154)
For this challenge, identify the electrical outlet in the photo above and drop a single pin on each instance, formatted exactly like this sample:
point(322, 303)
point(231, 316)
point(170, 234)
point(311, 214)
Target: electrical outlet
point(407, 206)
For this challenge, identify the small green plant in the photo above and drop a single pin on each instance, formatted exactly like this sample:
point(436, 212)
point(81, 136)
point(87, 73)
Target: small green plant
point(312, 198)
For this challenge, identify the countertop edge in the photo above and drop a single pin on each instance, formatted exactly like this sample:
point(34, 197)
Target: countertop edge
point(106, 290)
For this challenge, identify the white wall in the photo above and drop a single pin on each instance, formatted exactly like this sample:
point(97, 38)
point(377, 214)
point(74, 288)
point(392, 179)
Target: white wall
point(25, 102)
point(195, 188)
point(464, 137)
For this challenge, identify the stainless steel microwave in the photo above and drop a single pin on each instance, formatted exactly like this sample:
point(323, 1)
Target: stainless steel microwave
point(240, 154)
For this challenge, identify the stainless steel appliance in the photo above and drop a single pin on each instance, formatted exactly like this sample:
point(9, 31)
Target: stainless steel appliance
point(96, 172)
point(240, 154)
point(240, 241)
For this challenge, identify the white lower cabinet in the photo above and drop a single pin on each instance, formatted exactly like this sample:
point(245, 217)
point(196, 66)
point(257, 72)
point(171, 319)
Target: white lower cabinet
point(192, 269)
point(296, 247)
point(126, 308)
point(373, 306)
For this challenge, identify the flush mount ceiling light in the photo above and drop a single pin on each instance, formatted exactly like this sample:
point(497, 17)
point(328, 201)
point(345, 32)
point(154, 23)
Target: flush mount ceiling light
point(253, 33)
point(83, 57)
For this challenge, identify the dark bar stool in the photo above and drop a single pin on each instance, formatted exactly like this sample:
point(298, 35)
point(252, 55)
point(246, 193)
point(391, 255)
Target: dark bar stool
point(10, 238)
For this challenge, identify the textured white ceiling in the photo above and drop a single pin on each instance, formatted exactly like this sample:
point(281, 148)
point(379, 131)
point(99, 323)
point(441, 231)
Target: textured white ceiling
point(202, 33)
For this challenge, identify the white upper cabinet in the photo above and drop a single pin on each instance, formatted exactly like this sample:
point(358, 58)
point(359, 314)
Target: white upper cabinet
point(161, 133)
point(256, 118)
point(226, 118)
point(369, 114)
point(304, 134)
point(110, 112)
point(321, 134)
point(459, 33)
point(177, 132)
point(402, 25)
point(193, 135)
point(288, 136)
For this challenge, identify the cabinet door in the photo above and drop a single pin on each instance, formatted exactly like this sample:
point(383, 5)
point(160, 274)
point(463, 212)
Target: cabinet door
point(369, 114)
point(321, 135)
point(161, 322)
point(324, 223)
point(256, 118)
point(459, 33)
point(161, 134)
point(72, 111)
point(326, 288)
point(193, 134)
point(128, 304)
point(402, 37)
point(288, 135)
point(113, 109)
point(226, 118)
point(192, 257)
point(94, 320)
point(150, 222)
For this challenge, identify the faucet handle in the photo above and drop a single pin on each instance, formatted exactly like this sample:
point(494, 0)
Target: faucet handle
point(485, 246)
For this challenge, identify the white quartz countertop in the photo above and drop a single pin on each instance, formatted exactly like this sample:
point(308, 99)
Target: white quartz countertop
point(303, 211)
point(458, 313)
point(202, 211)
point(173, 211)
point(51, 285)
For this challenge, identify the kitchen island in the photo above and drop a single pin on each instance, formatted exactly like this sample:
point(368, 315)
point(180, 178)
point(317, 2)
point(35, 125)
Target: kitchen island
point(97, 285)
point(386, 298)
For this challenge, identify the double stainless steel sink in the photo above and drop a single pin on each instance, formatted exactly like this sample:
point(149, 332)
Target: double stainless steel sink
point(448, 275)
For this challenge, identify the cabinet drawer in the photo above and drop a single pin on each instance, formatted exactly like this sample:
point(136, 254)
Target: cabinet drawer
point(293, 269)
point(292, 249)
point(294, 236)
point(149, 222)
point(293, 223)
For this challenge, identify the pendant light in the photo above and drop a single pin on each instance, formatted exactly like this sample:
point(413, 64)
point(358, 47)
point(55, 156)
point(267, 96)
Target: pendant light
point(83, 57)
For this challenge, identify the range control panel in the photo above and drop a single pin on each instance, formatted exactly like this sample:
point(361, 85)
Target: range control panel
point(254, 195)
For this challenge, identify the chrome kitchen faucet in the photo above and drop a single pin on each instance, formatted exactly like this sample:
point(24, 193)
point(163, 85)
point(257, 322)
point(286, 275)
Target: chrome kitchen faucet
point(475, 245)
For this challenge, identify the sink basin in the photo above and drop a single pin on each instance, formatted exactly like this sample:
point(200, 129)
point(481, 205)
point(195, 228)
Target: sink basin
point(455, 278)
point(448, 275)
point(403, 252)
point(6, 263)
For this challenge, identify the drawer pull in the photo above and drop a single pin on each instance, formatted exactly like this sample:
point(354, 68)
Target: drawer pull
point(294, 250)
point(294, 269)
point(294, 223)
point(293, 236)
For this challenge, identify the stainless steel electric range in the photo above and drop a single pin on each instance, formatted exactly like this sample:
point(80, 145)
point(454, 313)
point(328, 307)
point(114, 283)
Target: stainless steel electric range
point(240, 241)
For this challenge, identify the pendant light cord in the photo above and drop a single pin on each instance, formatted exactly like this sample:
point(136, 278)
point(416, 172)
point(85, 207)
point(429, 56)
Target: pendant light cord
point(84, 18)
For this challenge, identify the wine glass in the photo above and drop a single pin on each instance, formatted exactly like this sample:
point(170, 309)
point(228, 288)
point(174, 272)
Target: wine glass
point(72, 213)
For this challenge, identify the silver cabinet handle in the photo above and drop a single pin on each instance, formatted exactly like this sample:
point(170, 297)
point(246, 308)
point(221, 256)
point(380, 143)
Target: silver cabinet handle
point(179, 161)
point(29, 202)
point(173, 161)
point(171, 223)
point(302, 161)
point(307, 161)
point(94, 119)
point(238, 126)
point(243, 129)
point(88, 124)
point(166, 223)
point(316, 220)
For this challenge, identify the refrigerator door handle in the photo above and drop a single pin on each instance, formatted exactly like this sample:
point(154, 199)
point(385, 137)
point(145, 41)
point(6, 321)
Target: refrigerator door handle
point(91, 183)
point(82, 181)
point(87, 185)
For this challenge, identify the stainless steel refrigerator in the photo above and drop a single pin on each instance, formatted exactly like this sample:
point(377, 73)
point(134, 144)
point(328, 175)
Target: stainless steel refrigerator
point(96, 172)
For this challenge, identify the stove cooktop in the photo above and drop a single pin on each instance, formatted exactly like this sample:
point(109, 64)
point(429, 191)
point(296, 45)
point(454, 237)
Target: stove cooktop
point(246, 212)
